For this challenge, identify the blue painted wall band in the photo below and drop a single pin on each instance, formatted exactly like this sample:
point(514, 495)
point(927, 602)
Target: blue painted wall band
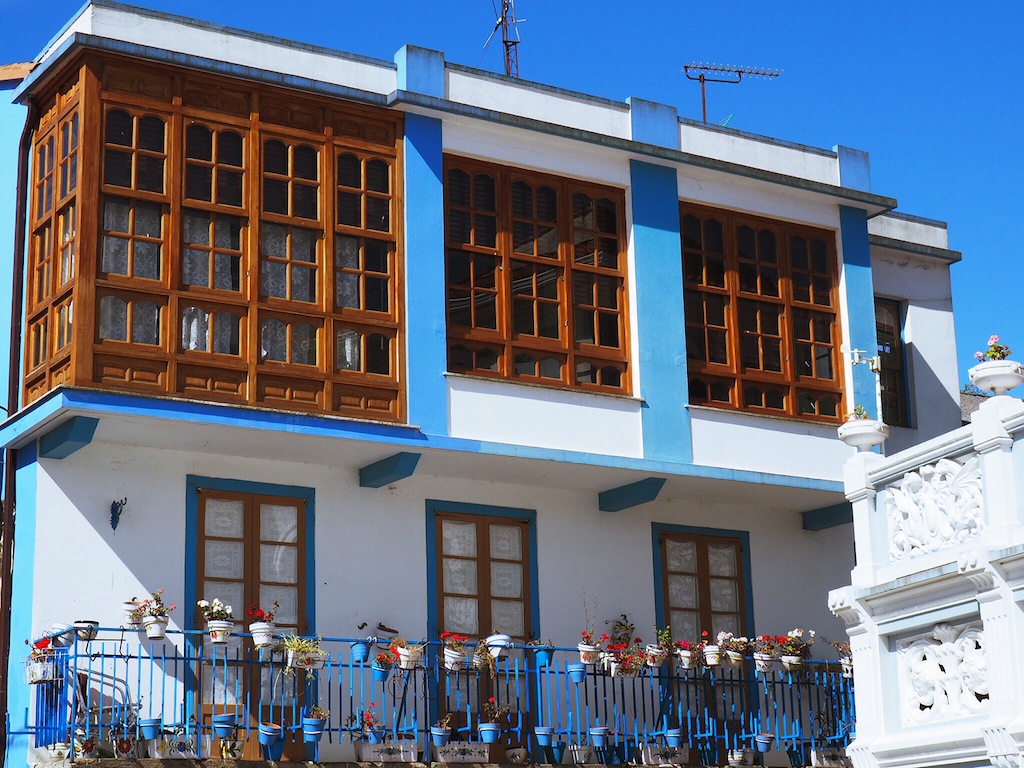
point(860, 303)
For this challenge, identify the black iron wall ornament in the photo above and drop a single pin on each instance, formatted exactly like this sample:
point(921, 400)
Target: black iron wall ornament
point(116, 508)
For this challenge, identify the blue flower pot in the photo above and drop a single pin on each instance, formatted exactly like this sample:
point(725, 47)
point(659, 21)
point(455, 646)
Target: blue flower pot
point(544, 735)
point(375, 736)
point(150, 727)
point(577, 672)
point(224, 724)
point(269, 733)
point(557, 752)
point(764, 741)
point(542, 655)
point(273, 752)
point(489, 732)
point(380, 674)
point(440, 736)
point(360, 652)
point(312, 729)
point(598, 736)
point(674, 737)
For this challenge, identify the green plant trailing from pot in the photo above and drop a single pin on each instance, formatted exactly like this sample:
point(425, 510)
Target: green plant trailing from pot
point(302, 652)
point(482, 659)
point(622, 629)
point(151, 607)
point(859, 412)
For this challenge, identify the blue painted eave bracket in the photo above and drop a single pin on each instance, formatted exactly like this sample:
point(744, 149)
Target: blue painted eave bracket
point(61, 441)
point(828, 517)
point(389, 470)
point(626, 496)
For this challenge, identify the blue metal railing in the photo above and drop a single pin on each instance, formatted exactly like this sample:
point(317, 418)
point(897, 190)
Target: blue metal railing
point(106, 686)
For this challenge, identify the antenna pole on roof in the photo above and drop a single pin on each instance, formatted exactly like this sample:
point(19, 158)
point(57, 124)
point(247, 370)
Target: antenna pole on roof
point(713, 73)
point(508, 22)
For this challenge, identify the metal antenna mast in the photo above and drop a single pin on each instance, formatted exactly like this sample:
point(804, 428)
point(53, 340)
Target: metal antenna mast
point(508, 22)
point(731, 75)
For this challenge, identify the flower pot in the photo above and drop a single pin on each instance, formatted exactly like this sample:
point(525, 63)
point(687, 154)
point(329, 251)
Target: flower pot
point(615, 669)
point(544, 734)
point(557, 752)
point(231, 749)
point(674, 737)
point(497, 643)
point(741, 757)
point(301, 660)
point(655, 655)
point(588, 653)
point(764, 662)
point(380, 674)
point(124, 748)
point(454, 660)
point(129, 609)
point(408, 658)
point(863, 434)
point(224, 724)
point(685, 657)
point(220, 630)
point(312, 729)
point(764, 741)
point(599, 736)
point(269, 733)
point(791, 663)
point(439, 736)
point(542, 655)
point(997, 376)
point(489, 732)
point(262, 633)
point(150, 727)
point(734, 658)
point(375, 735)
point(846, 664)
point(86, 629)
point(360, 652)
point(155, 626)
point(60, 634)
point(577, 672)
point(712, 656)
point(273, 751)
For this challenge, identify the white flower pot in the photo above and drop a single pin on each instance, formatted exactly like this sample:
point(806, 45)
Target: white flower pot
point(617, 670)
point(734, 658)
point(791, 663)
point(220, 630)
point(300, 660)
point(588, 653)
point(454, 660)
point(155, 626)
point(408, 658)
point(712, 656)
point(685, 657)
point(262, 633)
point(997, 376)
point(846, 663)
point(497, 643)
point(863, 434)
point(129, 609)
point(655, 655)
point(764, 662)
point(86, 629)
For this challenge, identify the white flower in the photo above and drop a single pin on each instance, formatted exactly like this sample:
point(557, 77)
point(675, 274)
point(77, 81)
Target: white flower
point(203, 604)
point(228, 609)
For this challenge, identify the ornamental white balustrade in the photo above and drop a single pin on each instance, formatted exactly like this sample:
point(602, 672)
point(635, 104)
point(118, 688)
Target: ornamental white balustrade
point(935, 609)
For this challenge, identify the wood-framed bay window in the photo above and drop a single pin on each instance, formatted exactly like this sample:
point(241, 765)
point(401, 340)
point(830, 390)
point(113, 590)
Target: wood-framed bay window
point(239, 243)
point(892, 355)
point(762, 314)
point(536, 277)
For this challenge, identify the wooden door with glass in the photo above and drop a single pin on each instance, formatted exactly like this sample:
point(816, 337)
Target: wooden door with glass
point(251, 550)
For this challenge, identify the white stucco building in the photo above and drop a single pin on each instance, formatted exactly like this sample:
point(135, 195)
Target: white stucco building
point(415, 344)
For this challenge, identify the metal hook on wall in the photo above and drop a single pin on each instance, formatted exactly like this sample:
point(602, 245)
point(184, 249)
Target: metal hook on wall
point(116, 508)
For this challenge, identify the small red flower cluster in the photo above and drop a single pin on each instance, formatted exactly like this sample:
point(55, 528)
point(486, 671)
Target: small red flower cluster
point(386, 659)
point(255, 613)
point(454, 641)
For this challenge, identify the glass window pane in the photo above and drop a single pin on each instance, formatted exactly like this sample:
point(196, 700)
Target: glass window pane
point(288, 597)
point(506, 542)
point(461, 614)
point(378, 354)
point(506, 579)
point(508, 616)
point(724, 595)
point(145, 323)
point(226, 334)
point(722, 559)
point(279, 522)
point(459, 576)
point(224, 559)
point(224, 518)
point(274, 340)
point(279, 562)
point(682, 591)
point(347, 349)
point(684, 625)
point(458, 538)
point(194, 329)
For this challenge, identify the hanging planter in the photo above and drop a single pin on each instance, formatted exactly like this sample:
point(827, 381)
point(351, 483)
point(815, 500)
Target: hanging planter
point(588, 653)
point(733, 658)
point(454, 660)
point(269, 733)
point(656, 655)
point(439, 735)
point(764, 662)
point(220, 630)
point(489, 732)
point(764, 741)
point(360, 651)
point(863, 434)
point(262, 633)
point(497, 643)
point(674, 737)
point(712, 656)
point(86, 629)
point(577, 672)
point(598, 736)
point(544, 734)
point(224, 724)
point(542, 655)
point(155, 626)
point(150, 727)
point(375, 735)
point(408, 656)
point(846, 664)
point(685, 657)
point(307, 660)
point(313, 729)
point(791, 663)
point(380, 673)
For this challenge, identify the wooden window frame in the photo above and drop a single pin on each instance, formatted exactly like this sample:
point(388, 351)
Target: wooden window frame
point(509, 346)
point(895, 397)
point(721, 384)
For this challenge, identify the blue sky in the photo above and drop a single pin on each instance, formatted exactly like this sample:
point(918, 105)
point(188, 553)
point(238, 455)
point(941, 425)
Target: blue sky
point(930, 89)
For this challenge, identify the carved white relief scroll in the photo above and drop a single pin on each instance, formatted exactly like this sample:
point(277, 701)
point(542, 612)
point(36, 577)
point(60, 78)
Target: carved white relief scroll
point(943, 675)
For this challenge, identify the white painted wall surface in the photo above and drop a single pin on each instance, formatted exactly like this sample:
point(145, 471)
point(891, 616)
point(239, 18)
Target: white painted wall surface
point(479, 90)
point(765, 444)
point(766, 155)
point(909, 230)
point(923, 286)
point(546, 417)
point(232, 47)
point(523, 149)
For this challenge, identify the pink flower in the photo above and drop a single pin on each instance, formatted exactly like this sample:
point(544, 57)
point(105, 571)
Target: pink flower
point(979, 355)
point(993, 340)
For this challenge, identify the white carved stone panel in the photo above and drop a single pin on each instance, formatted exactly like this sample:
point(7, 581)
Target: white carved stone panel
point(935, 507)
point(943, 675)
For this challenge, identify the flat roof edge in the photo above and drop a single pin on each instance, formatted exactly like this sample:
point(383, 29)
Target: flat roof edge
point(918, 249)
point(759, 137)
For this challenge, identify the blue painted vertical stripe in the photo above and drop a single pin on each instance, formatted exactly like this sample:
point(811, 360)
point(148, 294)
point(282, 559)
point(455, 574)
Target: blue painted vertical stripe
point(12, 120)
point(660, 325)
point(426, 347)
point(860, 302)
point(22, 593)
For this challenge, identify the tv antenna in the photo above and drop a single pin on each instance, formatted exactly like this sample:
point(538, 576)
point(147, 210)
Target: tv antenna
point(714, 73)
point(507, 22)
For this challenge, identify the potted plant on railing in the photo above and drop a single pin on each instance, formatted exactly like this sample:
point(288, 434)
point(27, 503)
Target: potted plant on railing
point(482, 659)
point(313, 723)
point(657, 652)
point(862, 432)
point(766, 650)
point(710, 651)
point(734, 649)
point(409, 655)
point(373, 729)
point(441, 731)
point(153, 615)
point(684, 653)
point(454, 650)
point(261, 624)
point(795, 648)
point(488, 727)
point(845, 656)
point(383, 663)
point(303, 653)
point(39, 664)
point(588, 647)
point(219, 619)
point(994, 372)
point(497, 642)
point(542, 652)
point(626, 659)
